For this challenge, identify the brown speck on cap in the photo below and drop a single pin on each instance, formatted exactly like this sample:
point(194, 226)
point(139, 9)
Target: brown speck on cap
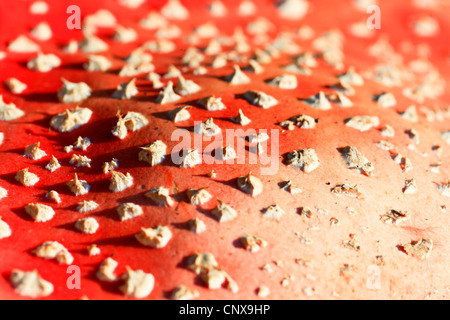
point(87, 225)
point(420, 249)
point(39, 212)
point(157, 237)
point(355, 160)
point(190, 158)
point(132, 70)
point(237, 77)
point(290, 187)
point(211, 103)
point(186, 87)
point(196, 225)
point(254, 66)
point(352, 211)
point(30, 284)
point(240, 118)
point(388, 131)
point(93, 250)
point(133, 121)
point(153, 153)
point(446, 136)
point(250, 184)
point(126, 90)
point(44, 62)
point(137, 284)
point(207, 128)
point(318, 101)
point(53, 195)
point(273, 212)
point(434, 167)
point(78, 187)
point(179, 114)
point(54, 250)
point(26, 178)
point(346, 189)
point(404, 162)
point(97, 63)
point(305, 160)
point(437, 149)
point(263, 291)
point(385, 99)
point(205, 265)
point(297, 69)
point(410, 114)
point(226, 153)
point(110, 166)
point(81, 143)
point(253, 243)
point(217, 278)
point(352, 77)
point(80, 161)
point(219, 61)
point(309, 291)
point(34, 152)
point(260, 99)
point(86, 206)
point(334, 221)
point(9, 111)
point(340, 99)
point(53, 164)
point(267, 268)
point(351, 244)
point(71, 119)
point(410, 187)
point(444, 189)
point(386, 145)
point(212, 174)
point(15, 85)
point(172, 72)
point(303, 239)
point(167, 95)
point(413, 135)
point(160, 196)
point(346, 270)
point(3, 193)
point(285, 81)
point(200, 262)
point(344, 88)
point(301, 121)
point(106, 270)
point(303, 262)
point(258, 137)
point(129, 210)
point(184, 293)
point(223, 212)
point(394, 216)
point(286, 281)
point(5, 230)
point(198, 196)
point(120, 181)
point(362, 123)
point(305, 212)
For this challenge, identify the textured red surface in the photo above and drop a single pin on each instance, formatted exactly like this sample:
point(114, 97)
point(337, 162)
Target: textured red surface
point(402, 275)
